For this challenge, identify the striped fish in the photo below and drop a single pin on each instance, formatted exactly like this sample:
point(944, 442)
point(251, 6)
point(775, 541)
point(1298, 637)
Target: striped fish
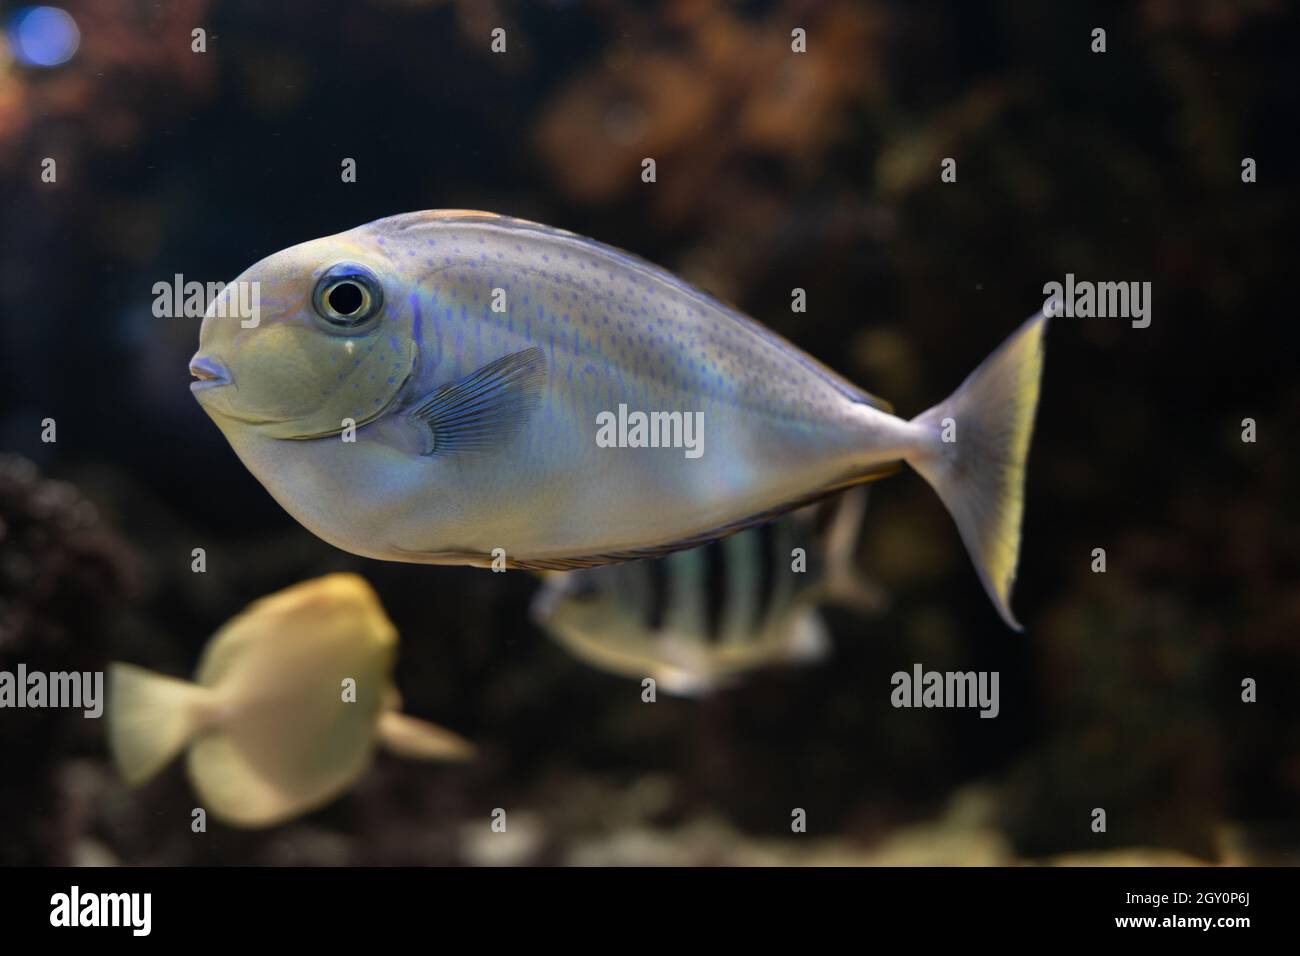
point(696, 620)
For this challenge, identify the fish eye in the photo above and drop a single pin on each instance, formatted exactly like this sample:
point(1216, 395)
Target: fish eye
point(347, 297)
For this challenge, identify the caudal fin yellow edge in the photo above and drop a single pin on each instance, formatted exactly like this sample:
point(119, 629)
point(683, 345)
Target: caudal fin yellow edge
point(977, 463)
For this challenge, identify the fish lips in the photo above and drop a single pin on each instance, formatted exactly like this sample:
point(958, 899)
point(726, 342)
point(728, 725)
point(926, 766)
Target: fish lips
point(208, 372)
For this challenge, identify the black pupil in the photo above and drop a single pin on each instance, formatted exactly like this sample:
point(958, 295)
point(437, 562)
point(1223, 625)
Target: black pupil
point(345, 298)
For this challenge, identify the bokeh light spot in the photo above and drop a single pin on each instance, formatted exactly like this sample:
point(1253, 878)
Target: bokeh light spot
point(43, 36)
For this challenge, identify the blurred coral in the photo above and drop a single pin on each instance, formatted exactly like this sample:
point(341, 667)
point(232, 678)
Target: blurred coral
point(108, 94)
point(64, 575)
point(712, 90)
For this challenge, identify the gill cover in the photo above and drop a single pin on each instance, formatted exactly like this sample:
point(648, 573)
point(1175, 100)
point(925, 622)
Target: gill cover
point(304, 382)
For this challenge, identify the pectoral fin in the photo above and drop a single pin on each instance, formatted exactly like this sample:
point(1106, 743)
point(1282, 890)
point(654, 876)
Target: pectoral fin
point(484, 409)
point(418, 740)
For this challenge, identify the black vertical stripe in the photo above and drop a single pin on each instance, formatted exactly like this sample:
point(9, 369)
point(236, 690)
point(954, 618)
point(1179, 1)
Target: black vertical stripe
point(715, 590)
point(825, 513)
point(656, 570)
point(767, 558)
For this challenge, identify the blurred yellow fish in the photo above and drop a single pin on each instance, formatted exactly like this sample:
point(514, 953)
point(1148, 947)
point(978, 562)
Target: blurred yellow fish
point(288, 701)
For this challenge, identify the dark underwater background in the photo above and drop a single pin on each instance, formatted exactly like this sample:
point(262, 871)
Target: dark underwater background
point(775, 171)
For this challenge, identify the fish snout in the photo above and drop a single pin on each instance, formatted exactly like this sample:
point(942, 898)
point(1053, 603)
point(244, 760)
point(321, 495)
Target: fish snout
point(209, 373)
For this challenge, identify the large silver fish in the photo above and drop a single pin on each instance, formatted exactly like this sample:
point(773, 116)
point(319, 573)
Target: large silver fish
point(698, 620)
point(513, 387)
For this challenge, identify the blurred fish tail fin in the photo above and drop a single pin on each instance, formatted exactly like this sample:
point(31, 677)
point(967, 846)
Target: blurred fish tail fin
point(976, 462)
point(151, 718)
point(416, 739)
point(845, 584)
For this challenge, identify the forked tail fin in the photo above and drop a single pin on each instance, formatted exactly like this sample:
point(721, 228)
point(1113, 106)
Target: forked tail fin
point(151, 718)
point(977, 461)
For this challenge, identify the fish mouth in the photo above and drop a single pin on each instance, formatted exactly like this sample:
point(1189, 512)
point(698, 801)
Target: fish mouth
point(208, 372)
